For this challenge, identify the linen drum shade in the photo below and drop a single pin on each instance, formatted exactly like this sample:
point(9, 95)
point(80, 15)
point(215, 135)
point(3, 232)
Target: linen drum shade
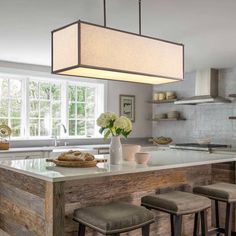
point(89, 50)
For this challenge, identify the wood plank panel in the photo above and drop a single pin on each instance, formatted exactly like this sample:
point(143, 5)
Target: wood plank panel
point(55, 209)
point(22, 216)
point(21, 198)
point(23, 182)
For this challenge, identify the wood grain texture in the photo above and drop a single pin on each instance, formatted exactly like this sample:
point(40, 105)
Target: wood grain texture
point(55, 209)
point(22, 198)
point(23, 182)
point(22, 216)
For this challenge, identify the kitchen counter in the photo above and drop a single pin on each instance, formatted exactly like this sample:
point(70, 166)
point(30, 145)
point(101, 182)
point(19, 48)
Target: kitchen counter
point(38, 198)
point(160, 160)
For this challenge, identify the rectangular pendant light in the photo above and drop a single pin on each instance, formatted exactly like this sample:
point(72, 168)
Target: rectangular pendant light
point(88, 50)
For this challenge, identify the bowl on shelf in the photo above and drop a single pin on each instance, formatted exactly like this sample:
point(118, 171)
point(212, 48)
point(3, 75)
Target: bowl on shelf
point(170, 95)
point(162, 140)
point(142, 157)
point(173, 115)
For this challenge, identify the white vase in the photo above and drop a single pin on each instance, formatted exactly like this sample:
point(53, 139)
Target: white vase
point(115, 151)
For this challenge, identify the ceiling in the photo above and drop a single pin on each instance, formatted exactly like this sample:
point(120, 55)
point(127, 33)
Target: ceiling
point(206, 27)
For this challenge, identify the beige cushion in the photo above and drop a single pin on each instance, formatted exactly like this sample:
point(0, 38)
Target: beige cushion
point(114, 217)
point(219, 191)
point(177, 202)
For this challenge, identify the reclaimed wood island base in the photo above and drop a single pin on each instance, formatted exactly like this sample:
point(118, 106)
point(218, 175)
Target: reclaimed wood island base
point(31, 205)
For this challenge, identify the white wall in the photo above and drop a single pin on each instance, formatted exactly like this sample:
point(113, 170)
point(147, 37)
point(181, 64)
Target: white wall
point(142, 127)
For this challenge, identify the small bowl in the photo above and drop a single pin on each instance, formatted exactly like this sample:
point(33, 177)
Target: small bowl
point(142, 157)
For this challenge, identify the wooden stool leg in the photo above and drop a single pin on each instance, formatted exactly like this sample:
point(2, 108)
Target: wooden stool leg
point(217, 216)
point(146, 230)
point(204, 226)
point(81, 231)
point(228, 219)
point(176, 225)
point(196, 224)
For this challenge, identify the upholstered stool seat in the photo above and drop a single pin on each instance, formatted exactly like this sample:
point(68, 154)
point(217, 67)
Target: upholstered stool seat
point(114, 218)
point(177, 204)
point(220, 192)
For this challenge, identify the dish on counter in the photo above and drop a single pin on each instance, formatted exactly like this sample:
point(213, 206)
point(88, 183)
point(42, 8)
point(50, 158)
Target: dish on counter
point(74, 159)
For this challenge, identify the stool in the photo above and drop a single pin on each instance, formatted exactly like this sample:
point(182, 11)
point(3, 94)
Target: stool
point(114, 218)
point(220, 192)
point(177, 204)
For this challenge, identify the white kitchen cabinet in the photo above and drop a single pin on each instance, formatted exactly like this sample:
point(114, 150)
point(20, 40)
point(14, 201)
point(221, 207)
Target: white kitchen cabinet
point(23, 155)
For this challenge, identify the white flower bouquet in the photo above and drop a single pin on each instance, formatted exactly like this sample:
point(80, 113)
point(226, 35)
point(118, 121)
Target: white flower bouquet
point(111, 124)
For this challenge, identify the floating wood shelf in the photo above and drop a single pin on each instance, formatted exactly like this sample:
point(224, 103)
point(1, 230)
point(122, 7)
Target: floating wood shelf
point(232, 117)
point(163, 101)
point(168, 119)
point(232, 95)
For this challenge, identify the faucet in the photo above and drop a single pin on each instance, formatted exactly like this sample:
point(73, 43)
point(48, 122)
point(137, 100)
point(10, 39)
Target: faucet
point(56, 141)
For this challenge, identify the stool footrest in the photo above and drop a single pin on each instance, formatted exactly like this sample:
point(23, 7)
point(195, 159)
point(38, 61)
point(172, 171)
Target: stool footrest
point(213, 231)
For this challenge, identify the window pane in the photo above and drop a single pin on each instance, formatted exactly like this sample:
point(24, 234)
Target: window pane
point(3, 108)
point(90, 110)
point(34, 109)
point(4, 87)
point(34, 127)
point(56, 110)
point(72, 110)
point(81, 94)
point(3, 121)
point(15, 88)
point(15, 106)
point(72, 127)
point(80, 110)
point(45, 91)
point(72, 93)
point(15, 126)
point(55, 127)
point(90, 127)
point(56, 92)
point(81, 127)
point(33, 90)
point(90, 94)
point(44, 127)
point(45, 109)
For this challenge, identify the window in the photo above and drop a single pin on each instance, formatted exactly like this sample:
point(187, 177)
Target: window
point(81, 116)
point(44, 108)
point(11, 104)
point(38, 107)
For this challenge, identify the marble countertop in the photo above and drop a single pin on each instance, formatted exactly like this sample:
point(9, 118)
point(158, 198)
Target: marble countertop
point(160, 160)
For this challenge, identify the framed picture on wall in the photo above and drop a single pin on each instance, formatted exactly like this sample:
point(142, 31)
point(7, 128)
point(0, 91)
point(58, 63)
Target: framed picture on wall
point(127, 106)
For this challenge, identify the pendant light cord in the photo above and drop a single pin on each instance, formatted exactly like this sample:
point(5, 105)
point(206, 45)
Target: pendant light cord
point(140, 15)
point(105, 13)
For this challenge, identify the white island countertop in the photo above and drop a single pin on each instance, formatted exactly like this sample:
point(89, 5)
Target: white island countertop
point(160, 160)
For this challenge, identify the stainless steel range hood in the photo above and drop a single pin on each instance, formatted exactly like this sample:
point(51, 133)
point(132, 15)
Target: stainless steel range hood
point(206, 89)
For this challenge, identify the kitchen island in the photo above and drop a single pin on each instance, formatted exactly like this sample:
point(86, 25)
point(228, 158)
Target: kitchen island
point(37, 198)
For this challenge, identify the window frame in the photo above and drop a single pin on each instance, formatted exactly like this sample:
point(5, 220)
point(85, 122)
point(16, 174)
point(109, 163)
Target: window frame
point(64, 82)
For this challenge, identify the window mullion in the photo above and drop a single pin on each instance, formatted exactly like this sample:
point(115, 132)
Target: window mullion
point(64, 108)
point(25, 108)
